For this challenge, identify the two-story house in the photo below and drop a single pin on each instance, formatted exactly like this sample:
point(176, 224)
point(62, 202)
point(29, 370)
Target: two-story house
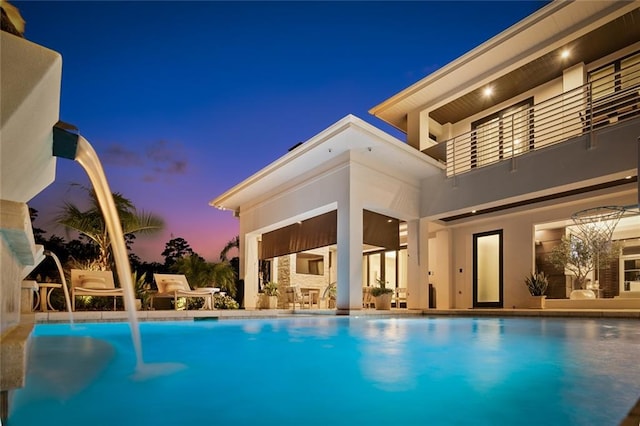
point(504, 145)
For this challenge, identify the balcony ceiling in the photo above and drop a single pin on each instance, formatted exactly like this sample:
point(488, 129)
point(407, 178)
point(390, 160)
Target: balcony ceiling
point(605, 40)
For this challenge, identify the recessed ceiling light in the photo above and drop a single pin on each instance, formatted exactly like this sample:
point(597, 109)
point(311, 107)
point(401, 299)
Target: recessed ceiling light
point(628, 177)
point(564, 54)
point(488, 91)
point(473, 211)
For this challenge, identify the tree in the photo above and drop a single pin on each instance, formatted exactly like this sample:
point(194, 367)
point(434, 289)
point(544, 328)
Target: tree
point(175, 249)
point(581, 258)
point(38, 233)
point(91, 223)
point(233, 243)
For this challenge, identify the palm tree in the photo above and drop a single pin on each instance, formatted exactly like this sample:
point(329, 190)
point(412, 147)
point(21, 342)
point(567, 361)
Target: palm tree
point(201, 273)
point(91, 223)
point(233, 243)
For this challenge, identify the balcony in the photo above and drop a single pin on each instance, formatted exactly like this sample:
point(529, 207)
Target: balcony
point(608, 99)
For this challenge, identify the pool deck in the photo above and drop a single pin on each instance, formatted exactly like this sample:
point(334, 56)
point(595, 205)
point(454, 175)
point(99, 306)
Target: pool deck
point(171, 315)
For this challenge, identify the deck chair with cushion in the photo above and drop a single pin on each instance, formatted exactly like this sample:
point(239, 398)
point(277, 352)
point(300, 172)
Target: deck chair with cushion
point(176, 285)
point(94, 284)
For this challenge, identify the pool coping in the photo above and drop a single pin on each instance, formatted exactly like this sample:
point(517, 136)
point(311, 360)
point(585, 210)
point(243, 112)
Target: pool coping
point(171, 315)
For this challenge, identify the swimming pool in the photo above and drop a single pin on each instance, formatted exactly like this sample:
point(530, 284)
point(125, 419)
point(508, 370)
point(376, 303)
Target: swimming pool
point(335, 370)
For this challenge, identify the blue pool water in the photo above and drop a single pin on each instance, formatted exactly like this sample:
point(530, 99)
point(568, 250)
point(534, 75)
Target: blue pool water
point(338, 371)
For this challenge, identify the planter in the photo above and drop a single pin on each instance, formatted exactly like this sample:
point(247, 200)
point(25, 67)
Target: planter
point(537, 302)
point(138, 304)
point(268, 302)
point(582, 294)
point(383, 301)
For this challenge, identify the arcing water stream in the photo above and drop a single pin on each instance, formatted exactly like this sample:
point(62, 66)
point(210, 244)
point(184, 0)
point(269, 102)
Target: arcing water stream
point(88, 159)
point(63, 280)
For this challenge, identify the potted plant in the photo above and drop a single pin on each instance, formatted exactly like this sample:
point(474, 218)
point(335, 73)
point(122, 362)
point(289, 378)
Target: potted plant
point(269, 296)
point(329, 295)
point(537, 284)
point(382, 294)
point(141, 289)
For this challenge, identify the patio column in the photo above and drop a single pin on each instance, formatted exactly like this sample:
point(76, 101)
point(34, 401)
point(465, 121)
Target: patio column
point(349, 241)
point(250, 269)
point(417, 273)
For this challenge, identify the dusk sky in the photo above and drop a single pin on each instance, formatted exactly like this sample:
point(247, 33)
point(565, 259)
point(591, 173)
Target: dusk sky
point(184, 100)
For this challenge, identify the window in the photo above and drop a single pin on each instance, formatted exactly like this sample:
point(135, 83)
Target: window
point(310, 264)
point(502, 135)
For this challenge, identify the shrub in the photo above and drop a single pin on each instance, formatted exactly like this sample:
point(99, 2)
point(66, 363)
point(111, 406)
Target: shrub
point(537, 283)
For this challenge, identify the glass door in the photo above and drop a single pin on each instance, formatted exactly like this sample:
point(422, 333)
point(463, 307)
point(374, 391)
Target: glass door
point(487, 270)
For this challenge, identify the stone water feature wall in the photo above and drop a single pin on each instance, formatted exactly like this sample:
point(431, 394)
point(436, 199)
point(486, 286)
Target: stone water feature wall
point(29, 108)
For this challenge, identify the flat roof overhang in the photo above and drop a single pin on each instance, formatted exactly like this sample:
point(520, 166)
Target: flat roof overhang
point(518, 59)
point(376, 148)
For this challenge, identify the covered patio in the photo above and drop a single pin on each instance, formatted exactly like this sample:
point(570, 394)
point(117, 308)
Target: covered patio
point(347, 169)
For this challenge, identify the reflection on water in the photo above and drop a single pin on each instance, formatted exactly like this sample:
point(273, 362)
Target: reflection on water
point(66, 365)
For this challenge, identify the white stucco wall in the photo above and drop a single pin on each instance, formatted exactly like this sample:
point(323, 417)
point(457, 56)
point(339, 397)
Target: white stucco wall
point(349, 185)
point(519, 254)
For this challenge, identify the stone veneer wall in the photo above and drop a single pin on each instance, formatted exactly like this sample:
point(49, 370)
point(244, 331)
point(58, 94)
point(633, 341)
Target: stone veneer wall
point(287, 276)
point(283, 279)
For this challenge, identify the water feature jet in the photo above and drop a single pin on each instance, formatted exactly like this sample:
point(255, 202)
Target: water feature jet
point(75, 147)
point(63, 281)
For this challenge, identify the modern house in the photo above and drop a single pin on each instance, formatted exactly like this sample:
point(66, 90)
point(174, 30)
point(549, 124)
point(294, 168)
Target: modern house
point(503, 146)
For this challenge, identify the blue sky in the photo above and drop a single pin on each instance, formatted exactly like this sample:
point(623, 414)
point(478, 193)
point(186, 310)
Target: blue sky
point(183, 100)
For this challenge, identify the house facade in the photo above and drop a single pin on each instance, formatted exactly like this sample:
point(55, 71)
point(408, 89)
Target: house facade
point(504, 145)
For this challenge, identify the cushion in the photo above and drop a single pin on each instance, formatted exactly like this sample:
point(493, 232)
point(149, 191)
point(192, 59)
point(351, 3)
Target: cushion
point(93, 282)
point(172, 285)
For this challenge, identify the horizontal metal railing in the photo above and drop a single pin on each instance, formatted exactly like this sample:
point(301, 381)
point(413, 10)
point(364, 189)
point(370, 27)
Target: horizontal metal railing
point(610, 99)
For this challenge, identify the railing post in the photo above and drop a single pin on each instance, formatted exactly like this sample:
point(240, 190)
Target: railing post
point(513, 147)
point(590, 114)
point(453, 165)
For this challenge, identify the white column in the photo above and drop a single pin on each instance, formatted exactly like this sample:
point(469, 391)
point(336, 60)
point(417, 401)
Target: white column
point(349, 256)
point(249, 271)
point(413, 263)
point(441, 269)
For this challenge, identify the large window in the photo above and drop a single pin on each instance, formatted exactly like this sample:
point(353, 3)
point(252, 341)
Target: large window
point(502, 135)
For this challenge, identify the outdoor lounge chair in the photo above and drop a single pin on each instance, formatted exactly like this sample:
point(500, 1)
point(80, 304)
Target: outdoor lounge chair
point(175, 285)
point(93, 283)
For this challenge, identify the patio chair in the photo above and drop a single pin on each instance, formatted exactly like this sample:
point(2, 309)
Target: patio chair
point(294, 295)
point(368, 301)
point(94, 284)
point(400, 296)
point(176, 285)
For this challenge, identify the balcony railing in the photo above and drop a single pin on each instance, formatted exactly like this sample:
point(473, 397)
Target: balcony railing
point(606, 101)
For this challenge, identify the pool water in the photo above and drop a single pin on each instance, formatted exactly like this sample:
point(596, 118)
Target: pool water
point(334, 370)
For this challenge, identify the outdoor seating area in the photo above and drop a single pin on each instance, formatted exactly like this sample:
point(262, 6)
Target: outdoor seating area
point(304, 297)
point(101, 284)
